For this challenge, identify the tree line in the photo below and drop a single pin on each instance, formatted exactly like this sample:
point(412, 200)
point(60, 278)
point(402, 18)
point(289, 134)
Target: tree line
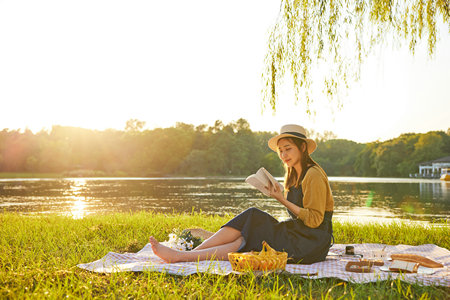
point(218, 150)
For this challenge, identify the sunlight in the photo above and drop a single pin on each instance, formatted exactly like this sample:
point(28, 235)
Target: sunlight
point(394, 85)
point(78, 209)
point(366, 215)
point(77, 185)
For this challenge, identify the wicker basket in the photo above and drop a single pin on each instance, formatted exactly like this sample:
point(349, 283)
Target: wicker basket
point(266, 260)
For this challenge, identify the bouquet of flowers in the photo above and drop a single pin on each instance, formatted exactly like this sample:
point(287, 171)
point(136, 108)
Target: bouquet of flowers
point(184, 241)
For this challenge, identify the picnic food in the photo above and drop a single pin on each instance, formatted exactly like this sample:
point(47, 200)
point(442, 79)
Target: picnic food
point(267, 259)
point(404, 266)
point(421, 260)
point(362, 266)
point(373, 262)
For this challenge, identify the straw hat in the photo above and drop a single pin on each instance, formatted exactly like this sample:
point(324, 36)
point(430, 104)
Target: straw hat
point(295, 131)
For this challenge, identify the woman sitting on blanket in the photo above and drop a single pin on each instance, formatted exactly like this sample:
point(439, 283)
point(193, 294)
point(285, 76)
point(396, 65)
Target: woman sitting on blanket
point(306, 236)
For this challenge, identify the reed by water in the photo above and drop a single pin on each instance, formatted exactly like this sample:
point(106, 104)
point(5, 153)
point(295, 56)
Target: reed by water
point(39, 255)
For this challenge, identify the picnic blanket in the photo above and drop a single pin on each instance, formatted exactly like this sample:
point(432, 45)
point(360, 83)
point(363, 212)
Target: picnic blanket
point(333, 266)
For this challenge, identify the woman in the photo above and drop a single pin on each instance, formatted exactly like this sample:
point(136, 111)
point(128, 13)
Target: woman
point(306, 237)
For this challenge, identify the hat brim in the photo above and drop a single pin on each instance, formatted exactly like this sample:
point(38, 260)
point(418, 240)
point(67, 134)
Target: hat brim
point(273, 142)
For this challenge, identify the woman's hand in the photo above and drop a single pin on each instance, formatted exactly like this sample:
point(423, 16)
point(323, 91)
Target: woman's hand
point(275, 192)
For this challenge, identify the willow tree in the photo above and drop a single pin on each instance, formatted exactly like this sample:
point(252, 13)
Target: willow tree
point(325, 42)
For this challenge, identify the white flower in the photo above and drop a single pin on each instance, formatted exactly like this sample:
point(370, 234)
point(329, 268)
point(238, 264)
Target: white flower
point(175, 242)
point(190, 245)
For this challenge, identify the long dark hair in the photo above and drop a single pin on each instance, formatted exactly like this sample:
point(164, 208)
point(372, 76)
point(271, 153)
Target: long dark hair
point(291, 178)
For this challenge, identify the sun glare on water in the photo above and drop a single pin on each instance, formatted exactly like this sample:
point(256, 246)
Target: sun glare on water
point(78, 208)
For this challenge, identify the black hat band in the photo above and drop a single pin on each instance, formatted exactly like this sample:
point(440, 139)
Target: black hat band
point(296, 134)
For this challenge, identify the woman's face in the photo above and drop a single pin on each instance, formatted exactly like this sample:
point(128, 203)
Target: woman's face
point(289, 152)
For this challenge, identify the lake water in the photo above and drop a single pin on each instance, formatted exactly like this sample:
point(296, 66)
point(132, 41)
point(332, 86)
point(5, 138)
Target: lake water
point(356, 199)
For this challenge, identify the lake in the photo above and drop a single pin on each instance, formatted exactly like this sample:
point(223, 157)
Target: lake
point(356, 199)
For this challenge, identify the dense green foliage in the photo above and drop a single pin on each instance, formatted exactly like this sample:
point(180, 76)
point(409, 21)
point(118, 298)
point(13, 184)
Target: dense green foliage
point(320, 45)
point(221, 149)
point(400, 156)
point(40, 254)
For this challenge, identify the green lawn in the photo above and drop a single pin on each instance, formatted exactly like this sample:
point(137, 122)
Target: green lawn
point(39, 254)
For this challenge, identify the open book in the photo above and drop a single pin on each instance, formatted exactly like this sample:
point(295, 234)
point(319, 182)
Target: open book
point(261, 179)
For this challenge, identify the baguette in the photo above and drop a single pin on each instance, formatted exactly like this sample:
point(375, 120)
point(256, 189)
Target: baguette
point(421, 260)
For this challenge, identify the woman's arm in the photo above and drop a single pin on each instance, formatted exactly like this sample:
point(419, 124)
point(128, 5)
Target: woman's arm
point(275, 192)
point(314, 187)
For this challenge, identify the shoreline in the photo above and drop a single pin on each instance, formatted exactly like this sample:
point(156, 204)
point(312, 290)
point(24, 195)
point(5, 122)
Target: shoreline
point(338, 219)
point(123, 175)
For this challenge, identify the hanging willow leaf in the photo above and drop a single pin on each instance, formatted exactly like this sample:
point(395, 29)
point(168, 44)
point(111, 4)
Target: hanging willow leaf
point(338, 35)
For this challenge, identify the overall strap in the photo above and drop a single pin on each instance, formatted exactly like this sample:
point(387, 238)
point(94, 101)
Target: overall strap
point(327, 224)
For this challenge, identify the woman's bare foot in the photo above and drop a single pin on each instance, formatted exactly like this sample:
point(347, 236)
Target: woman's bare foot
point(165, 253)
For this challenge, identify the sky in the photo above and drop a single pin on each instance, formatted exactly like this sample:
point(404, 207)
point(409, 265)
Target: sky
point(96, 64)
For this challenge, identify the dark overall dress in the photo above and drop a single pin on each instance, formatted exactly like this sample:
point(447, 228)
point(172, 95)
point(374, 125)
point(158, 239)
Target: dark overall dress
point(303, 244)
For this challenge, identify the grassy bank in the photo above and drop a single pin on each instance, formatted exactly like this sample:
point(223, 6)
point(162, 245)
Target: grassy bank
point(39, 255)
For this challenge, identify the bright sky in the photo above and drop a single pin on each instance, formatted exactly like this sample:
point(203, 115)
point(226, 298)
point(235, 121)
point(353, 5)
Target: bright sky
point(96, 64)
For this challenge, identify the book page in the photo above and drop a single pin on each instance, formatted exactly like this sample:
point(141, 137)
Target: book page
point(272, 179)
point(259, 183)
point(261, 180)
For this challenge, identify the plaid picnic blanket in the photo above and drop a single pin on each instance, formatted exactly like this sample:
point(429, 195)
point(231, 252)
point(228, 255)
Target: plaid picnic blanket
point(333, 266)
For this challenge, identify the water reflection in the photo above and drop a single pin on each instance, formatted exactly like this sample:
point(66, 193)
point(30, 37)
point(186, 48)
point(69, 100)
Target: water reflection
point(74, 192)
point(78, 208)
point(366, 215)
point(435, 190)
point(355, 199)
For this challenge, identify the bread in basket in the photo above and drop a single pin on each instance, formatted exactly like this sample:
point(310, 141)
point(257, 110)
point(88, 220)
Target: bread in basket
point(266, 260)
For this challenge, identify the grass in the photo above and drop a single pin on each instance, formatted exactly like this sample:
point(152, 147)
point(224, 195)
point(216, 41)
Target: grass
point(39, 254)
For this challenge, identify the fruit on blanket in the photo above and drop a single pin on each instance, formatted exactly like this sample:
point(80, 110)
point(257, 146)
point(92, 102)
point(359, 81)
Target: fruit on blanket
point(266, 260)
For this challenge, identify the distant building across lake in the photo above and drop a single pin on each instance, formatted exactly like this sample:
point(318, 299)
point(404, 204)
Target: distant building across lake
point(434, 168)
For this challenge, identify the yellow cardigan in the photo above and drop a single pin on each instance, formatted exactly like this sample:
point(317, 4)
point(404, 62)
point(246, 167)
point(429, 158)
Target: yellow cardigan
point(317, 197)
